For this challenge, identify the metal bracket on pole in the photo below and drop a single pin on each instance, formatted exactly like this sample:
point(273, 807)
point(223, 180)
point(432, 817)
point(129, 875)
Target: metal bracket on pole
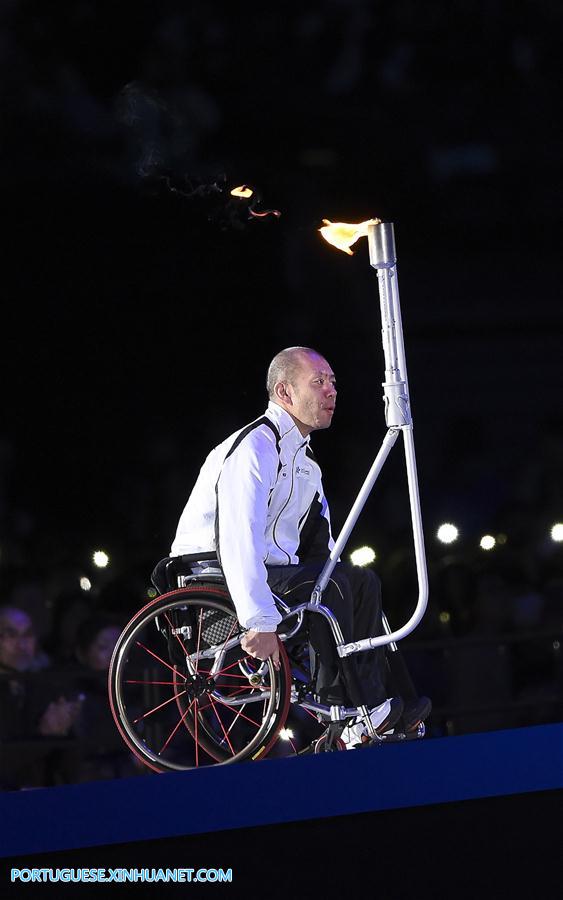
point(398, 417)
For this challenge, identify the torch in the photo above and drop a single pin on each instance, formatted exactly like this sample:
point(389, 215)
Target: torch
point(398, 418)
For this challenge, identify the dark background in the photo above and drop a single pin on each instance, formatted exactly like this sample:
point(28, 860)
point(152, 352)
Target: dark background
point(139, 317)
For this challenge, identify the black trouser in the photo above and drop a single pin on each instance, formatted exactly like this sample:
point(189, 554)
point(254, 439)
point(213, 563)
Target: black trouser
point(353, 594)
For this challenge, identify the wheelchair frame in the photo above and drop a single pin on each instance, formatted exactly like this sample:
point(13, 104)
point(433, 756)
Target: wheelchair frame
point(201, 695)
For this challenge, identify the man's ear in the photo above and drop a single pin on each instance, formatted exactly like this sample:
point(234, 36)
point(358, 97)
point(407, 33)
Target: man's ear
point(281, 392)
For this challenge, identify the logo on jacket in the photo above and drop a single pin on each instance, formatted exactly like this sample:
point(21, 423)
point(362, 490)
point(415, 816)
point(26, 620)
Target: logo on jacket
point(303, 471)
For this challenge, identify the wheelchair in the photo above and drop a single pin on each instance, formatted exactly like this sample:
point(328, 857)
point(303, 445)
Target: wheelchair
point(184, 694)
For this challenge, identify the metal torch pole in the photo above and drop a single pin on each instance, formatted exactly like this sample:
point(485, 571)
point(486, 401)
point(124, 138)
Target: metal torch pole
point(398, 419)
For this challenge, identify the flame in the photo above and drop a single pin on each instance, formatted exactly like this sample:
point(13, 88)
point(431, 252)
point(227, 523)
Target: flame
point(342, 235)
point(242, 191)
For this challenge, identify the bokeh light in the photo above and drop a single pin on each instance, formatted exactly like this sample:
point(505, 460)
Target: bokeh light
point(363, 556)
point(447, 533)
point(100, 559)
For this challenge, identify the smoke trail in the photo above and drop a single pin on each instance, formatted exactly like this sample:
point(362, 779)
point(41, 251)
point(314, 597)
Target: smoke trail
point(161, 144)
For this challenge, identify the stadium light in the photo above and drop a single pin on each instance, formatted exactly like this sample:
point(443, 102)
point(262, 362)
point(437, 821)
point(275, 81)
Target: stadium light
point(487, 542)
point(557, 532)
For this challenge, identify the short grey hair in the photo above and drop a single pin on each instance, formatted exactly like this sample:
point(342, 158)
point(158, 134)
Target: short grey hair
point(284, 367)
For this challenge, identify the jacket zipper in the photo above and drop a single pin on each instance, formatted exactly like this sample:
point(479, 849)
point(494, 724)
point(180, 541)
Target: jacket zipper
point(285, 504)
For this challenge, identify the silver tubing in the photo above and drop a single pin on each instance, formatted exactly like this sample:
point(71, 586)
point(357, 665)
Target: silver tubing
point(331, 619)
point(387, 630)
point(287, 612)
point(383, 258)
point(420, 557)
point(364, 714)
point(212, 651)
point(326, 712)
point(395, 388)
point(353, 515)
point(294, 630)
point(399, 331)
point(241, 700)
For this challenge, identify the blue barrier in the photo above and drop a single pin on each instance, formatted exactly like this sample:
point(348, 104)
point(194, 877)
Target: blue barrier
point(393, 776)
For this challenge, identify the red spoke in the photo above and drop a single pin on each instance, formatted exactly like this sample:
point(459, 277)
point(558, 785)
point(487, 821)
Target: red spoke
point(236, 689)
point(240, 713)
point(231, 665)
point(175, 729)
point(235, 623)
point(156, 708)
point(139, 681)
point(233, 694)
point(196, 718)
point(223, 727)
point(168, 666)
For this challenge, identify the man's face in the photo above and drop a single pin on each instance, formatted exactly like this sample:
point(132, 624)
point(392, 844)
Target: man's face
point(313, 394)
point(18, 643)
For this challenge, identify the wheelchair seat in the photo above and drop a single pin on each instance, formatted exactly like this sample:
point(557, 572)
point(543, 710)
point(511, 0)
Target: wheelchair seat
point(167, 571)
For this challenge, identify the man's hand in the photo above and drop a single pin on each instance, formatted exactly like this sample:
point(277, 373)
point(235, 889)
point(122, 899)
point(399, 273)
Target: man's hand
point(262, 644)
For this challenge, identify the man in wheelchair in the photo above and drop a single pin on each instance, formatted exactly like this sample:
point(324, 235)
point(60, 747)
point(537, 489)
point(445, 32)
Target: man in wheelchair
point(259, 503)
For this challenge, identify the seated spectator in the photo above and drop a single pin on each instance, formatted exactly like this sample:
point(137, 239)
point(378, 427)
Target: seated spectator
point(32, 707)
point(19, 650)
point(102, 752)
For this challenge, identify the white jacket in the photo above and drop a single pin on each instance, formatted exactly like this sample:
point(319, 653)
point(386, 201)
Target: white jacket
point(258, 501)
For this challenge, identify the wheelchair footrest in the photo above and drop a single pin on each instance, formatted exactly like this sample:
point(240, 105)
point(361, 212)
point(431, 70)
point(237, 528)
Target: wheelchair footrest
point(400, 736)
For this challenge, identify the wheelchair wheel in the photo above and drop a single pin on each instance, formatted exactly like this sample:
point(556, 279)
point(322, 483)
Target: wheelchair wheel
point(182, 691)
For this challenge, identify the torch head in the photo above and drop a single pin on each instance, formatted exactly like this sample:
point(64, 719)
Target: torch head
point(381, 239)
